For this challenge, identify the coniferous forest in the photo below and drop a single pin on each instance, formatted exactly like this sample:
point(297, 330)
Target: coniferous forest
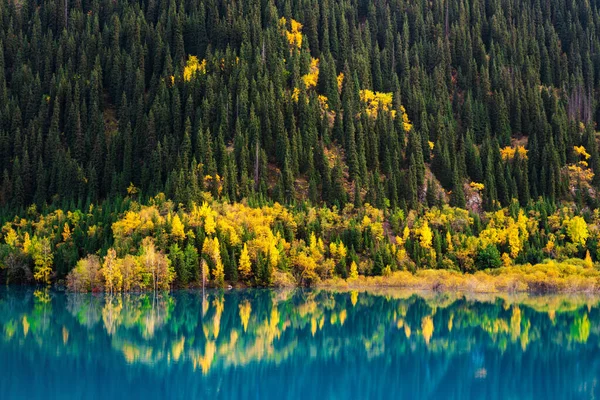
point(148, 143)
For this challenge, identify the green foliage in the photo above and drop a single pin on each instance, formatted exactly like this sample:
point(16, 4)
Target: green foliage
point(401, 116)
point(488, 257)
point(296, 103)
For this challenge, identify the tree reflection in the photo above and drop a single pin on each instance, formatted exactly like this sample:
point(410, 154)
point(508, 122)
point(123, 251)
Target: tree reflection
point(437, 339)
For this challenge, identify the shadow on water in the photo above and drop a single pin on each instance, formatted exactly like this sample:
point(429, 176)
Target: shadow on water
point(293, 344)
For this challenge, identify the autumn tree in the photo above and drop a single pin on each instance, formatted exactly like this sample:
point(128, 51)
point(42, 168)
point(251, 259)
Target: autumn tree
point(245, 265)
point(42, 255)
point(111, 272)
point(157, 265)
point(577, 230)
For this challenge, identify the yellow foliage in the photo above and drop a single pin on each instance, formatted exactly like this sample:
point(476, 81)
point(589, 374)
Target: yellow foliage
point(306, 265)
point(66, 234)
point(317, 248)
point(577, 230)
point(27, 244)
point(340, 81)
point(92, 230)
point(212, 249)
point(323, 102)
point(426, 236)
point(366, 222)
point(294, 35)
point(376, 101)
point(551, 244)
point(42, 257)
point(193, 67)
point(282, 23)
point(338, 251)
point(296, 26)
point(449, 244)
point(405, 233)
point(588, 260)
point(377, 230)
point(245, 265)
point(228, 230)
point(177, 228)
point(514, 241)
point(405, 122)
point(296, 94)
point(131, 189)
point(580, 173)
point(210, 224)
point(580, 150)
point(111, 271)
point(508, 153)
point(353, 271)
point(127, 225)
point(310, 80)
point(477, 186)
point(156, 264)
point(11, 237)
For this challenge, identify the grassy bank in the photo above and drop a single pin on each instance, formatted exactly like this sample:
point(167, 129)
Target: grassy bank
point(570, 276)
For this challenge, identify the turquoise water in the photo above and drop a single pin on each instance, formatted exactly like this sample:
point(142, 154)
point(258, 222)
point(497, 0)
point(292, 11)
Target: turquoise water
point(260, 344)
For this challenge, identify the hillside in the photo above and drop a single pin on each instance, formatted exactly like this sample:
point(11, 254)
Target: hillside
point(482, 105)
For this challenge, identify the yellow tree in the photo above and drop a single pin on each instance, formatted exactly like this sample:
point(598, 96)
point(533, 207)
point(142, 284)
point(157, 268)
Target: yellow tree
point(131, 272)
point(111, 271)
point(177, 228)
point(310, 80)
point(588, 259)
point(353, 271)
point(210, 226)
point(148, 260)
point(514, 241)
point(577, 230)
point(192, 67)
point(245, 266)
point(85, 277)
point(157, 265)
point(426, 236)
point(294, 35)
point(66, 234)
point(211, 248)
point(42, 258)
point(449, 241)
point(338, 252)
point(306, 265)
point(11, 237)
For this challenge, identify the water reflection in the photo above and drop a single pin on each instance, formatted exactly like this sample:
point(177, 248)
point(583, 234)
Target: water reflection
point(297, 344)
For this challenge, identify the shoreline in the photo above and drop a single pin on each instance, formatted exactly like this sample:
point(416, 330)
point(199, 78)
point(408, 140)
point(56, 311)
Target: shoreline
point(551, 277)
point(572, 276)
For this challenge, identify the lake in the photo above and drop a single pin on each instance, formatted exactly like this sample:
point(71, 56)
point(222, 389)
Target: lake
point(295, 344)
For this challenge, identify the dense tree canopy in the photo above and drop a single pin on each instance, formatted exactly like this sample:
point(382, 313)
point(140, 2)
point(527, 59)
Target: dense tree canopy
point(320, 100)
point(400, 104)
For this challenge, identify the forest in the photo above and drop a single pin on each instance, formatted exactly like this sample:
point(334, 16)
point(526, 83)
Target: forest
point(150, 144)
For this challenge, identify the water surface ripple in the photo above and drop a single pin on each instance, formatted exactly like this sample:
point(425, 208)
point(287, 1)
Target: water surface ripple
point(294, 344)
